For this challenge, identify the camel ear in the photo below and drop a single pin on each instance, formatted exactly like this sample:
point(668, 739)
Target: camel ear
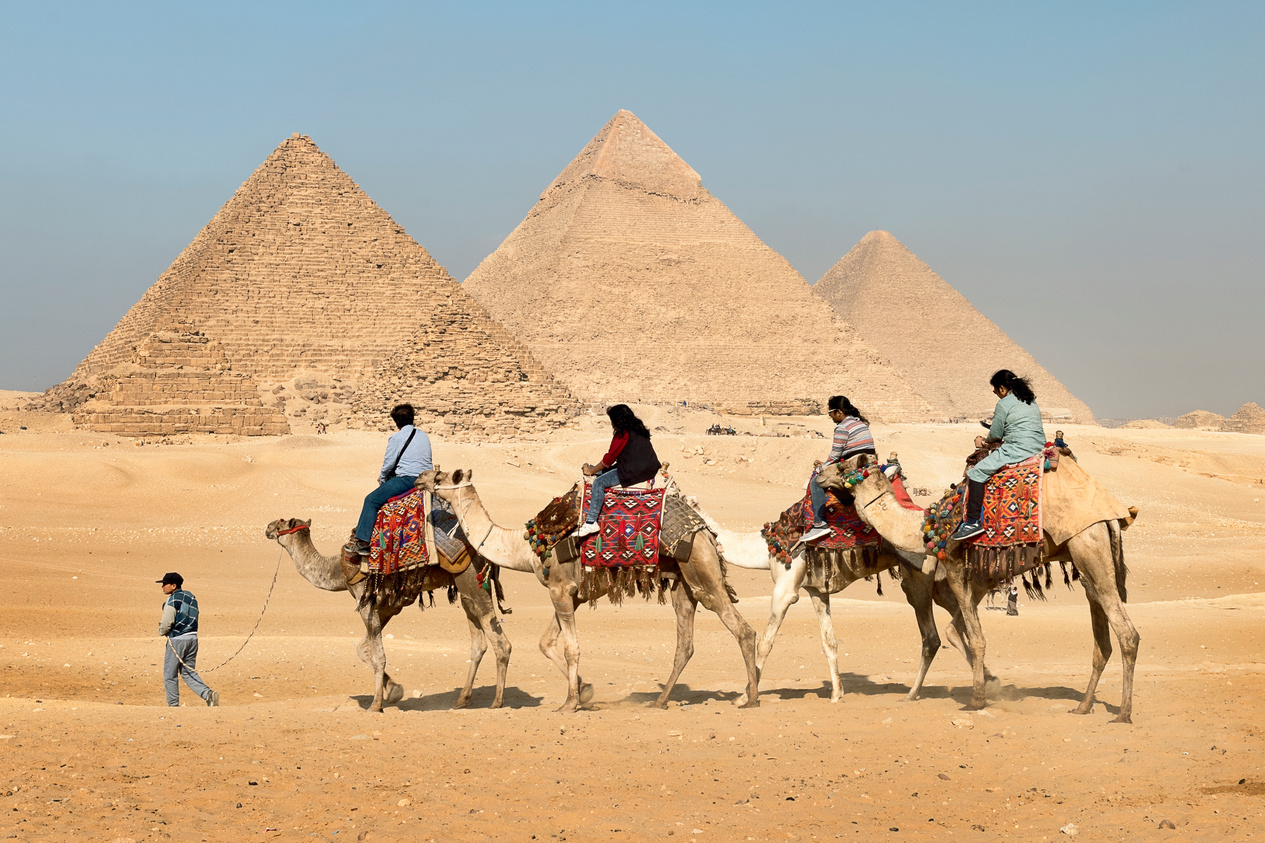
point(863, 460)
point(458, 475)
point(307, 523)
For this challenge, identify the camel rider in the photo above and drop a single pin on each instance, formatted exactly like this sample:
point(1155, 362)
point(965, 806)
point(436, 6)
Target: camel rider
point(408, 455)
point(1017, 425)
point(631, 459)
point(852, 437)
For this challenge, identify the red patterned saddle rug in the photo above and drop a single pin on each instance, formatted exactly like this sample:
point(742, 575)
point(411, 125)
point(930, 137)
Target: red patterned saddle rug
point(1012, 542)
point(622, 557)
point(853, 542)
point(399, 550)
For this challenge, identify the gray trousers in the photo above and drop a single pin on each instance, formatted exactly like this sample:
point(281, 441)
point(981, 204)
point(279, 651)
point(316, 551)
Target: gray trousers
point(187, 648)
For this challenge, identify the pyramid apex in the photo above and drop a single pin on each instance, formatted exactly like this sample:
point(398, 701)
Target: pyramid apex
point(628, 152)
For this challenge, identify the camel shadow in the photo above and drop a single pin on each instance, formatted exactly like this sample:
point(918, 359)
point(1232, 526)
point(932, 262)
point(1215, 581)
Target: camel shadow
point(681, 693)
point(444, 700)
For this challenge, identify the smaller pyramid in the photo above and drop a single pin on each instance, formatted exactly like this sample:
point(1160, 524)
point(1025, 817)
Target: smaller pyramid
point(934, 337)
point(1200, 420)
point(1250, 418)
point(179, 381)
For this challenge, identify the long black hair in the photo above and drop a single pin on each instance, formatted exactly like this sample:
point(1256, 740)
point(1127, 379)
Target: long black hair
point(625, 421)
point(843, 405)
point(1019, 386)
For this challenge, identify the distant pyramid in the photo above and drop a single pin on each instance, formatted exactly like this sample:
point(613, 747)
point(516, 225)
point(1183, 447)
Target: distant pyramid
point(941, 344)
point(301, 275)
point(1250, 418)
point(631, 282)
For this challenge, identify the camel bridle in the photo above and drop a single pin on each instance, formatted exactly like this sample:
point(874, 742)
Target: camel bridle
point(459, 502)
point(293, 529)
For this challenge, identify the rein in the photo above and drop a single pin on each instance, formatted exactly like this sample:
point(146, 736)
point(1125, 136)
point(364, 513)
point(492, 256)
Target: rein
point(292, 530)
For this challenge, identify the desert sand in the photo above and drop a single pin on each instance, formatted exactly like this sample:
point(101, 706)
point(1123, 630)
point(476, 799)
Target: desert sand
point(89, 751)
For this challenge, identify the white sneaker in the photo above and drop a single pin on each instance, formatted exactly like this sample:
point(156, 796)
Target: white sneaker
point(815, 534)
point(588, 529)
point(213, 699)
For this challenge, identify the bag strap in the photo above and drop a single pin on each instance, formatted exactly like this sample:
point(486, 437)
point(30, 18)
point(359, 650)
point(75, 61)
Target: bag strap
point(400, 455)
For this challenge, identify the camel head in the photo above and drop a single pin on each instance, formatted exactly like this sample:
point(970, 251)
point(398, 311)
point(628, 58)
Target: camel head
point(426, 480)
point(443, 485)
point(282, 526)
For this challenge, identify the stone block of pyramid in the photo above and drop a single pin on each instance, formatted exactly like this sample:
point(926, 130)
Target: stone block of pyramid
point(301, 275)
point(630, 282)
point(941, 343)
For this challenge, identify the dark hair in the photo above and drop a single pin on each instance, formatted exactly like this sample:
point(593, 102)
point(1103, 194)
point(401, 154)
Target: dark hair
point(402, 414)
point(625, 421)
point(1019, 386)
point(843, 405)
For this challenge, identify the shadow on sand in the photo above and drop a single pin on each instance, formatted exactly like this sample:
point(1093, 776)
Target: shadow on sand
point(444, 701)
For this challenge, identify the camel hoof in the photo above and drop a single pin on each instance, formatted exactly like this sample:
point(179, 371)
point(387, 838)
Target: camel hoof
point(974, 705)
point(1123, 718)
point(751, 703)
point(913, 696)
point(394, 694)
point(660, 704)
point(496, 704)
point(568, 707)
point(462, 702)
point(1082, 709)
point(586, 693)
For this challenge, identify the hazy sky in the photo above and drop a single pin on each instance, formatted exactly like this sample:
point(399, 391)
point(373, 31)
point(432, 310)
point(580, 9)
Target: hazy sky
point(1089, 175)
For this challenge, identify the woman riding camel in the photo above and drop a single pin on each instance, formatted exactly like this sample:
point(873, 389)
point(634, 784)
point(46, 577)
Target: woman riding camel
point(852, 437)
point(631, 459)
point(1017, 425)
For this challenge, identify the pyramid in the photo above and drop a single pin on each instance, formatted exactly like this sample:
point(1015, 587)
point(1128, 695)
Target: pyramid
point(302, 279)
point(1250, 418)
point(941, 344)
point(630, 282)
point(180, 382)
point(1200, 420)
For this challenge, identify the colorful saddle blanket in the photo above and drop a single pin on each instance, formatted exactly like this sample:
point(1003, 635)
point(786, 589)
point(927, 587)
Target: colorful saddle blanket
point(1011, 516)
point(628, 528)
point(850, 531)
point(399, 536)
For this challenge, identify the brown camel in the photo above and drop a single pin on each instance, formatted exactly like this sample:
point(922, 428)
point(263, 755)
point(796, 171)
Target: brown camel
point(326, 573)
point(700, 579)
point(1096, 551)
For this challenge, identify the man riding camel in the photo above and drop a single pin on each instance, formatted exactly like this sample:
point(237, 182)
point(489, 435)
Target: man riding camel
point(407, 456)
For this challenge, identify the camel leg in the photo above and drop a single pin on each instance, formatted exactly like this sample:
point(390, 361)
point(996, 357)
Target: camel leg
point(702, 574)
point(1102, 579)
point(372, 654)
point(685, 606)
point(829, 644)
point(562, 593)
point(785, 594)
point(918, 588)
point(975, 644)
point(478, 646)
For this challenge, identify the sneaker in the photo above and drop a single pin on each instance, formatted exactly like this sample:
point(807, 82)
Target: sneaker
point(356, 546)
point(588, 529)
point(967, 530)
point(818, 532)
point(213, 699)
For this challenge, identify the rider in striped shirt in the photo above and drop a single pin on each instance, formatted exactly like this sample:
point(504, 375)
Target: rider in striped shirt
point(852, 437)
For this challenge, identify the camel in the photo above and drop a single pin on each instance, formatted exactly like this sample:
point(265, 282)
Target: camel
point(921, 590)
point(326, 573)
point(1096, 551)
point(700, 579)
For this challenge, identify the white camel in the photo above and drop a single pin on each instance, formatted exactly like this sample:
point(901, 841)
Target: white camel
point(700, 579)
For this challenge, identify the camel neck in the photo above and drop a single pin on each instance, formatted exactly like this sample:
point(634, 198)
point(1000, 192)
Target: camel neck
point(503, 547)
point(324, 572)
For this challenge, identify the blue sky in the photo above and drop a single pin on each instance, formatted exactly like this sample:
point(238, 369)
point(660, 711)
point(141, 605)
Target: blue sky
point(1089, 175)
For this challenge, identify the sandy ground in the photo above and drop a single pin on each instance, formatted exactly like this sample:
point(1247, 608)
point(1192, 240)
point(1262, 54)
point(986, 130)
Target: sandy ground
point(89, 751)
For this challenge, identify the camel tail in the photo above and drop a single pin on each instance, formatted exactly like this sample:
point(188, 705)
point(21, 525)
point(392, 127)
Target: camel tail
point(1117, 559)
point(498, 592)
point(724, 575)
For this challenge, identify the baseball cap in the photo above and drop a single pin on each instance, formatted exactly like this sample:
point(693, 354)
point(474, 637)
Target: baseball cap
point(171, 579)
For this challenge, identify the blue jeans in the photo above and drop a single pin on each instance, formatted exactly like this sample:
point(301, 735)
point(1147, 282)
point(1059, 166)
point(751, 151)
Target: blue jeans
point(818, 499)
point(601, 483)
point(187, 648)
point(374, 501)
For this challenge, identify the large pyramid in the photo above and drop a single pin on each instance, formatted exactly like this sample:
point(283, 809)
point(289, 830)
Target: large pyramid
point(630, 282)
point(944, 346)
point(302, 280)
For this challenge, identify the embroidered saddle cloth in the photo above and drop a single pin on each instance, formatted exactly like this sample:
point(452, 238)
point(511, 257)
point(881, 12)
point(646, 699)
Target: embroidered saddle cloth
point(849, 531)
point(628, 528)
point(400, 541)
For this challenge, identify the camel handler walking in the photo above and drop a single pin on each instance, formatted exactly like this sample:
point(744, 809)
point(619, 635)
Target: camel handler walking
point(180, 626)
point(408, 455)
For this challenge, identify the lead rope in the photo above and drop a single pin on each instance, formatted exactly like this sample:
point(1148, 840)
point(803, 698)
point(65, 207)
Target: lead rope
point(275, 574)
